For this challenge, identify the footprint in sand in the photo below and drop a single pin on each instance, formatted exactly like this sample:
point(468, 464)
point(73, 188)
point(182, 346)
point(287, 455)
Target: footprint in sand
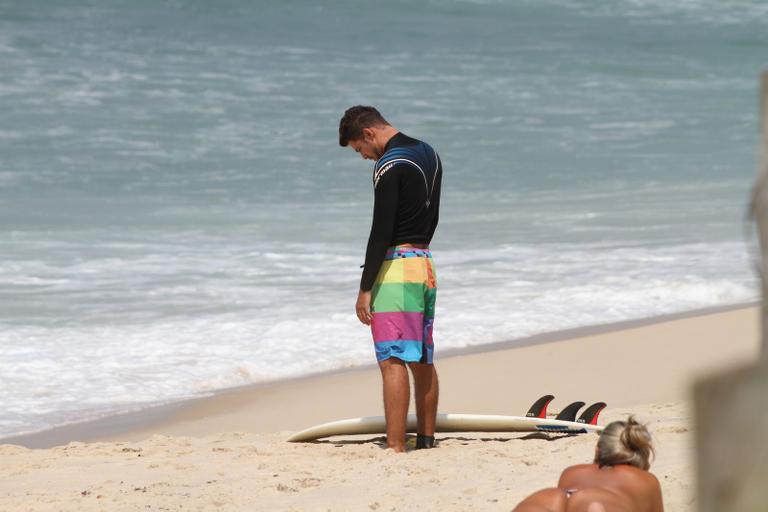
point(673, 430)
point(307, 482)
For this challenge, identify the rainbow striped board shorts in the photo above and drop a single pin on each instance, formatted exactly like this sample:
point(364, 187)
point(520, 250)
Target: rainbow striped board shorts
point(403, 305)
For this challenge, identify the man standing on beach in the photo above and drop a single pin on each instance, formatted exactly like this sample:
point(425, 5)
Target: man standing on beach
point(399, 286)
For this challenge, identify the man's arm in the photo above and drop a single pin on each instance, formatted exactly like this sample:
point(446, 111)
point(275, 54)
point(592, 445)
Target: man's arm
point(382, 233)
point(436, 204)
point(433, 226)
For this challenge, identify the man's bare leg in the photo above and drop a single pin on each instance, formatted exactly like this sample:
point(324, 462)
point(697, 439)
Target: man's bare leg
point(426, 390)
point(397, 396)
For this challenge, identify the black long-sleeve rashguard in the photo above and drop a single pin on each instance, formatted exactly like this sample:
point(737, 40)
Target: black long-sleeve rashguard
point(406, 200)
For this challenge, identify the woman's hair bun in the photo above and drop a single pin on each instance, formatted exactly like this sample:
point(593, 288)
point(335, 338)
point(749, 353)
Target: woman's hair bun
point(625, 442)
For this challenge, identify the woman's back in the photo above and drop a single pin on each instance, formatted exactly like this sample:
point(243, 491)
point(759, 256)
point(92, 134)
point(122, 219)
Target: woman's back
point(617, 481)
point(620, 488)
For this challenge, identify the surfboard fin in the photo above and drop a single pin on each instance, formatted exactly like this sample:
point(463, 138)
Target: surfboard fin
point(539, 407)
point(589, 416)
point(570, 411)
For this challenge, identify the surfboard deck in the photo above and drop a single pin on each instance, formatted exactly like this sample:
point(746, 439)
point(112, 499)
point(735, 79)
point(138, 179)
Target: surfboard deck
point(447, 423)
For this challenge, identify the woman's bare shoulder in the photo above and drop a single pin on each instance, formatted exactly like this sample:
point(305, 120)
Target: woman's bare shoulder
point(637, 473)
point(591, 474)
point(580, 468)
point(573, 475)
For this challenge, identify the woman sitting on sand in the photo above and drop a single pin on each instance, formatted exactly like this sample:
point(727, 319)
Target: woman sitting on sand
point(618, 480)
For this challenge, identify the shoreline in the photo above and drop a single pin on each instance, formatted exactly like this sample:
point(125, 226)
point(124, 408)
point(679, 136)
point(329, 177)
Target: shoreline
point(230, 451)
point(224, 400)
point(232, 470)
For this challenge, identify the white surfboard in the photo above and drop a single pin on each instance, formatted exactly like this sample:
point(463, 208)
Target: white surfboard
point(447, 423)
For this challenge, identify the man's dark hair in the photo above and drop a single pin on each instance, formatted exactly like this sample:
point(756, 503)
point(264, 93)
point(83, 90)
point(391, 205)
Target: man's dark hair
point(355, 119)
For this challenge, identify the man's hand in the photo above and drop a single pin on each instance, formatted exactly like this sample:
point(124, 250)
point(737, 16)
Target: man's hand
point(363, 307)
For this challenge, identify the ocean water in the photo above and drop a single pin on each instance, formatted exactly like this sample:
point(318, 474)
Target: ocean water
point(176, 215)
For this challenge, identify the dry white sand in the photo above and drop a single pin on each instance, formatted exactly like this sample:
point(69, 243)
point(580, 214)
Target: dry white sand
point(228, 452)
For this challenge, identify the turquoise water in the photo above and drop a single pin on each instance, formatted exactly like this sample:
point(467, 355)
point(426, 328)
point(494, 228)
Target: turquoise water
point(176, 215)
